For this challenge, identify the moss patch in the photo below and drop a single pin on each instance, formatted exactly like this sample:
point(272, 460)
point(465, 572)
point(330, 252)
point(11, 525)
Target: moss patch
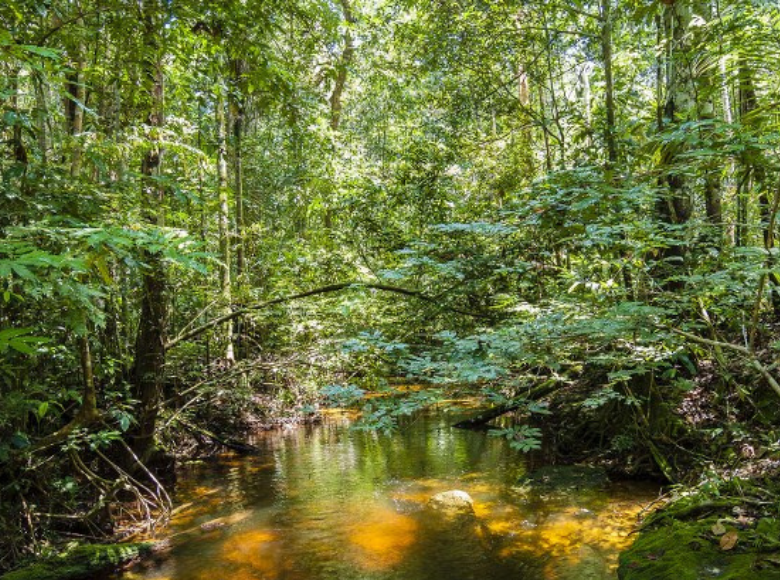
point(691, 550)
point(80, 562)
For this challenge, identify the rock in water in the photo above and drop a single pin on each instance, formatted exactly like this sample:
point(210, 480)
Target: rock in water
point(571, 481)
point(454, 502)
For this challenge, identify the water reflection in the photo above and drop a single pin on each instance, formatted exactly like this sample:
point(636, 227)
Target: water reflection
point(329, 503)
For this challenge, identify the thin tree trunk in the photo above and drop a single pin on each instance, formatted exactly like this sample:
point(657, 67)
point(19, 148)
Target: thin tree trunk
point(238, 108)
point(342, 68)
point(18, 149)
point(336, 96)
point(707, 89)
point(226, 282)
point(42, 116)
point(78, 93)
point(675, 204)
point(752, 174)
point(524, 99)
point(237, 101)
point(548, 155)
point(88, 411)
point(753, 165)
point(554, 108)
point(609, 84)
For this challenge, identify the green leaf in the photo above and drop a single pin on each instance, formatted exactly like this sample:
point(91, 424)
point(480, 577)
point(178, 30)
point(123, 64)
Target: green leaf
point(20, 440)
point(21, 346)
point(42, 51)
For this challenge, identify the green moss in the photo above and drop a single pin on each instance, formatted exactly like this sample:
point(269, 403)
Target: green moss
point(688, 550)
point(80, 562)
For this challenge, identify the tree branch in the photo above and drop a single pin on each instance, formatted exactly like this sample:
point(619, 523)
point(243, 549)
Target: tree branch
point(317, 291)
point(754, 362)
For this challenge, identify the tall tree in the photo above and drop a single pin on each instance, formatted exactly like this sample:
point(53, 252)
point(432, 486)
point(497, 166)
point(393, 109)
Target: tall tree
point(150, 341)
point(225, 231)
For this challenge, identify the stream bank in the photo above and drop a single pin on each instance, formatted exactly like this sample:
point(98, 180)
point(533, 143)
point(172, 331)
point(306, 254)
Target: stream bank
point(729, 529)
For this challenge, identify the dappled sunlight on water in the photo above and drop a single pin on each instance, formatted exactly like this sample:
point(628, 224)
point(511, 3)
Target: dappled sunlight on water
point(256, 551)
point(568, 536)
point(382, 540)
point(329, 503)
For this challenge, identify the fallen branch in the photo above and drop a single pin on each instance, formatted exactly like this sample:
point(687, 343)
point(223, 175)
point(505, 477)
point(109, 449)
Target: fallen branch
point(480, 420)
point(754, 362)
point(317, 291)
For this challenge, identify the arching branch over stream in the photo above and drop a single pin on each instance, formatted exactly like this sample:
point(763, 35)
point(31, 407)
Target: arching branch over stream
point(315, 292)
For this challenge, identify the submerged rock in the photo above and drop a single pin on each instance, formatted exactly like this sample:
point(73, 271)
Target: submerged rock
point(586, 563)
point(563, 479)
point(452, 539)
point(454, 503)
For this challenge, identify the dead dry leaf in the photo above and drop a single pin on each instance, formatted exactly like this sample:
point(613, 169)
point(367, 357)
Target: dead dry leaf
point(718, 529)
point(729, 540)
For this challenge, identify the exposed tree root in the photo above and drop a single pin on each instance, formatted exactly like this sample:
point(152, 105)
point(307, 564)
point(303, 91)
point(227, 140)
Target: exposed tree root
point(238, 446)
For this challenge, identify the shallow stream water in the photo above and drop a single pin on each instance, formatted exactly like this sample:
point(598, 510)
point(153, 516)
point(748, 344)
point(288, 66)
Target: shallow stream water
point(329, 503)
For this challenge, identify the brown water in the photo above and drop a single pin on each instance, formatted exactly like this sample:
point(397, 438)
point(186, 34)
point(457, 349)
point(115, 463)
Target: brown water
point(327, 502)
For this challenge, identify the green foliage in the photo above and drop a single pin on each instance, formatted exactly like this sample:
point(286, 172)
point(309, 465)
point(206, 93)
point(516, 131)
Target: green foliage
point(521, 437)
point(460, 154)
point(342, 396)
point(388, 410)
point(20, 340)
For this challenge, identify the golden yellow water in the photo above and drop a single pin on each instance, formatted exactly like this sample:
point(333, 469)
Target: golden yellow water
point(329, 503)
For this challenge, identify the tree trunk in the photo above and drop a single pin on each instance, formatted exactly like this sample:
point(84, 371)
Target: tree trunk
point(150, 340)
point(555, 111)
point(76, 106)
point(707, 88)
point(342, 68)
point(18, 149)
point(526, 146)
point(238, 110)
point(237, 104)
point(609, 84)
point(88, 411)
point(675, 206)
point(226, 281)
point(753, 173)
